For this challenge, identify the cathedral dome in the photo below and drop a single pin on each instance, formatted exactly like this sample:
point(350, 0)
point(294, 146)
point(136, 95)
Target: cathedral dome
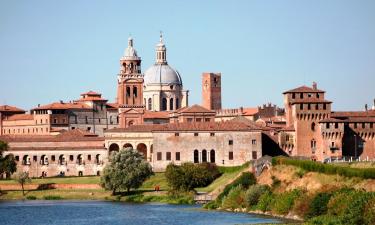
point(162, 74)
point(130, 51)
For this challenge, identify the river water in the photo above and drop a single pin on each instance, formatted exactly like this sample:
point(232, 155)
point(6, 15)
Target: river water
point(101, 212)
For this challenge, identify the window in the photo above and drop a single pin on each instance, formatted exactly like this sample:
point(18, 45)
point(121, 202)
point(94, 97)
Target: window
point(55, 121)
point(316, 106)
point(53, 158)
point(158, 156)
point(230, 142)
point(230, 155)
point(313, 126)
point(207, 120)
point(149, 104)
point(88, 128)
point(198, 120)
point(287, 138)
point(190, 120)
point(355, 125)
point(196, 156)
point(333, 144)
point(73, 128)
point(204, 156)
point(177, 103)
point(35, 158)
point(127, 91)
point(313, 145)
point(86, 120)
point(71, 157)
point(41, 121)
point(293, 95)
point(89, 157)
point(212, 156)
point(309, 106)
point(317, 95)
point(168, 156)
point(301, 96)
point(164, 104)
point(309, 95)
point(176, 134)
point(327, 125)
point(212, 134)
point(171, 104)
point(17, 158)
point(196, 134)
point(177, 156)
point(301, 106)
point(371, 125)
point(363, 125)
point(324, 106)
point(336, 125)
point(135, 92)
point(254, 154)
point(254, 141)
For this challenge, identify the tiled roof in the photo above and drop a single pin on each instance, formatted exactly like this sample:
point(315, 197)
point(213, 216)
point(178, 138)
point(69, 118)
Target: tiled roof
point(62, 105)
point(195, 109)
point(349, 120)
point(112, 106)
point(250, 111)
point(204, 126)
point(290, 128)
point(309, 100)
point(20, 117)
point(249, 123)
point(68, 136)
point(370, 113)
point(90, 98)
point(304, 89)
point(8, 108)
point(156, 115)
point(91, 93)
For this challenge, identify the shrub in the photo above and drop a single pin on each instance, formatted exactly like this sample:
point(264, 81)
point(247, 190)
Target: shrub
point(189, 176)
point(265, 201)
point(340, 201)
point(31, 197)
point(365, 173)
point(302, 205)
point(52, 197)
point(275, 182)
point(369, 212)
point(318, 205)
point(245, 180)
point(235, 198)
point(284, 202)
point(354, 213)
point(300, 173)
point(324, 220)
point(253, 194)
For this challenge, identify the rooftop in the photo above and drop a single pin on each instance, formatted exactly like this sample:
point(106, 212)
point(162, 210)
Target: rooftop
point(8, 108)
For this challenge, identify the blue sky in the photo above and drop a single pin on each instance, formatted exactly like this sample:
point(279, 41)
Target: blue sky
point(55, 50)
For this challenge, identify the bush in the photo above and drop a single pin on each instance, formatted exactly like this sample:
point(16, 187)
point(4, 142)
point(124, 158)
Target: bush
point(340, 201)
point(245, 180)
point(365, 173)
point(284, 202)
point(189, 176)
point(318, 205)
point(265, 201)
point(235, 198)
point(31, 197)
point(253, 194)
point(300, 173)
point(369, 212)
point(324, 220)
point(354, 213)
point(302, 205)
point(275, 182)
point(52, 197)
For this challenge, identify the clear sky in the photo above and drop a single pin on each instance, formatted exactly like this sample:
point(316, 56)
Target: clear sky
point(54, 50)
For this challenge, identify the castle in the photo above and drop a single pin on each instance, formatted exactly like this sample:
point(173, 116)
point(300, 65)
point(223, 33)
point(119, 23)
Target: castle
point(152, 114)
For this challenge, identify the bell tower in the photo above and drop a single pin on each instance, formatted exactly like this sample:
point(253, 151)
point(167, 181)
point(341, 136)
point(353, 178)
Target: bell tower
point(130, 88)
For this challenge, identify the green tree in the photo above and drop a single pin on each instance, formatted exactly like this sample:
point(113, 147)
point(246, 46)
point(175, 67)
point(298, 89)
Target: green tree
point(23, 178)
point(8, 163)
point(127, 169)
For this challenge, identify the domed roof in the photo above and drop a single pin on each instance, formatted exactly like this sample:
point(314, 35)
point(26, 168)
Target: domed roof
point(130, 52)
point(162, 74)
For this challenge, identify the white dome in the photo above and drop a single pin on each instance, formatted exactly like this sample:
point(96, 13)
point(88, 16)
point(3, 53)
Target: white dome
point(162, 74)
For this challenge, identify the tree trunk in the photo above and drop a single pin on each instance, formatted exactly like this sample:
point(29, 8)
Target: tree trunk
point(114, 192)
point(23, 190)
point(128, 190)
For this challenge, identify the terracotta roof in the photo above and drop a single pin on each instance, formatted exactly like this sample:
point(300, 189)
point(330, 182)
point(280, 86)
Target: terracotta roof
point(112, 106)
point(20, 117)
point(304, 89)
point(62, 105)
point(91, 93)
point(250, 111)
point(68, 136)
point(309, 100)
point(156, 115)
point(206, 126)
point(290, 128)
point(249, 123)
point(90, 98)
point(370, 113)
point(349, 120)
point(195, 109)
point(8, 108)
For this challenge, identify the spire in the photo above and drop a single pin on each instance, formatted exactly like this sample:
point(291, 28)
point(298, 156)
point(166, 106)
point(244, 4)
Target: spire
point(130, 51)
point(130, 41)
point(161, 51)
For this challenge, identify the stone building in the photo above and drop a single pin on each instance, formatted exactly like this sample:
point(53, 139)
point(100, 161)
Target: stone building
point(71, 153)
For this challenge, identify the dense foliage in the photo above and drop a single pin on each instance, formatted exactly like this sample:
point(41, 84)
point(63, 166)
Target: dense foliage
point(126, 170)
point(7, 163)
point(365, 173)
point(253, 194)
point(189, 176)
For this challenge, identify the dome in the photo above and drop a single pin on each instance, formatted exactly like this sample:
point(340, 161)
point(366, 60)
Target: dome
point(130, 51)
point(162, 74)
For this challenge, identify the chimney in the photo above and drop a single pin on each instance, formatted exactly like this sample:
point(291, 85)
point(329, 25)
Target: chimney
point(38, 105)
point(315, 85)
point(366, 107)
point(61, 101)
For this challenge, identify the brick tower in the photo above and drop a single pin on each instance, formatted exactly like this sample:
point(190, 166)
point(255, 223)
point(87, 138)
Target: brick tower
point(211, 90)
point(130, 88)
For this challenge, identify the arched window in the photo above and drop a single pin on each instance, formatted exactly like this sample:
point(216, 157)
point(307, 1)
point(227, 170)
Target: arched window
point(128, 145)
point(177, 103)
point(313, 145)
point(171, 104)
point(149, 104)
point(204, 156)
point(313, 126)
point(142, 148)
point(127, 91)
point(212, 156)
point(135, 91)
point(196, 156)
point(164, 104)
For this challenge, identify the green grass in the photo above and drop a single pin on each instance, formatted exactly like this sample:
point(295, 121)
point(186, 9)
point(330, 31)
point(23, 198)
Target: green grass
point(157, 179)
point(58, 180)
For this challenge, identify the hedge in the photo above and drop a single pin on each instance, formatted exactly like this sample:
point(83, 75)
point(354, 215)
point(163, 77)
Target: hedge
point(365, 173)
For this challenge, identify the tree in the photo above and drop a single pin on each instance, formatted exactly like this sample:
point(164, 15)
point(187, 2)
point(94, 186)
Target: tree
point(23, 178)
point(8, 163)
point(127, 169)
